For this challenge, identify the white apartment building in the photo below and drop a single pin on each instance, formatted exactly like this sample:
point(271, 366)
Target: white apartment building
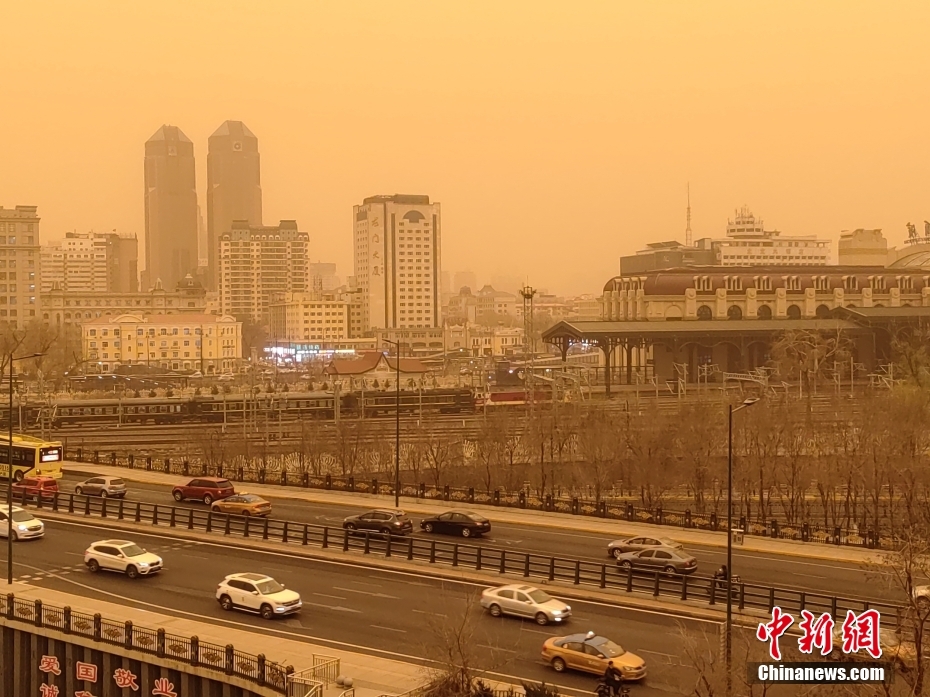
point(257, 263)
point(397, 242)
point(77, 263)
point(322, 317)
point(748, 243)
point(19, 266)
point(208, 343)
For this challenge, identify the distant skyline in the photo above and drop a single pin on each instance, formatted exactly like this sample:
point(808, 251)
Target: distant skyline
point(557, 137)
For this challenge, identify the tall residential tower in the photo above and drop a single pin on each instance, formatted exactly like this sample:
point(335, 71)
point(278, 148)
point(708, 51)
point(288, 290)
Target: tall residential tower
point(397, 261)
point(170, 208)
point(234, 190)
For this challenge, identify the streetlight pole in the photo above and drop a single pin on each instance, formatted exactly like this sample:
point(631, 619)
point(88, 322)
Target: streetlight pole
point(396, 424)
point(729, 626)
point(9, 475)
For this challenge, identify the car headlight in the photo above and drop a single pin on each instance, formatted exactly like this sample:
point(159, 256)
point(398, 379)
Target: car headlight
point(556, 612)
point(21, 527)
point(143, 563)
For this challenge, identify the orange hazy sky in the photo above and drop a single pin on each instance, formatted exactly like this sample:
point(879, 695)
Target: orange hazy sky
point(556, 135)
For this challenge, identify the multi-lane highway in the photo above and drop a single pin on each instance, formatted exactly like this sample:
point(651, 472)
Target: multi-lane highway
point(823, 576)
point(395, 614)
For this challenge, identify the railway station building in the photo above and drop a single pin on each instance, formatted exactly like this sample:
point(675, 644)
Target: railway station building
point(710, 323)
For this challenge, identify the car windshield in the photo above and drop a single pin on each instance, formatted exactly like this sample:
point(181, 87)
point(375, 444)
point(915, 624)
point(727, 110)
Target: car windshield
point(268, 587)
point(610, 649)
point(21, 516)
point(117, 482)
point(403, 518)
point(667, 542)
point(251, 498)
point(225, 484)
point(132, 550)
point(540, 597)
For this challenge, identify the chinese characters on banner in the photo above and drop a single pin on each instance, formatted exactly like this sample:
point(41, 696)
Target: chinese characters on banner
point(859, 632)
point(88, 672)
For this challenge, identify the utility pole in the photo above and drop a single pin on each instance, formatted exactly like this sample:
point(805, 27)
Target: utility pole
point(529, 347)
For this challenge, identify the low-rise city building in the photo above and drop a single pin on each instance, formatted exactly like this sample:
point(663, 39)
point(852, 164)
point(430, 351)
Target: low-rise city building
point(211, 344)
point(316, 317)
point(61, 307)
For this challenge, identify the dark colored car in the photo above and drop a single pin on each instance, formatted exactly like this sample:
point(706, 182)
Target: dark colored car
point(387, 521)
point(34, 487)
point(461, 523)
point(667, 559)
point(206, 489)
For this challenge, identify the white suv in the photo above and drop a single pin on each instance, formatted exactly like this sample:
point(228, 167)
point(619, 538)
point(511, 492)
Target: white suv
point(257, 593)
point(122, 555)
point(25, 526)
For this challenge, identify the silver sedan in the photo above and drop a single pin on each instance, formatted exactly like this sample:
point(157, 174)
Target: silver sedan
point(637, 544)
point(524, 601)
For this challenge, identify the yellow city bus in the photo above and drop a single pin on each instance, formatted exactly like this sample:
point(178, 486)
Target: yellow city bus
point(31, 457)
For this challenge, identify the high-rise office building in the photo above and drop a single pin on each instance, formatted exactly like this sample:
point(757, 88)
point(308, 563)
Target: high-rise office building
point(234, 190)
point(257, 262)
point(397, 261)
point(19, 266)
point(170, 208)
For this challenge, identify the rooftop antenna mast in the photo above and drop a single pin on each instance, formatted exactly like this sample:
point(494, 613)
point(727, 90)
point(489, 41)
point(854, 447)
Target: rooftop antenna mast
point(688, 235)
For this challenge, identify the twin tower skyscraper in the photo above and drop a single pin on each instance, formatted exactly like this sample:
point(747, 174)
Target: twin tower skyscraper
point(172, 214)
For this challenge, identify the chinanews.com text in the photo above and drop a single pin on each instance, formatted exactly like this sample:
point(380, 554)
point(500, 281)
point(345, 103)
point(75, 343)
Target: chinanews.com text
point(827, 673)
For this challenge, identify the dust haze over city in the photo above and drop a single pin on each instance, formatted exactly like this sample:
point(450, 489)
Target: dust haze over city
point(414, 349)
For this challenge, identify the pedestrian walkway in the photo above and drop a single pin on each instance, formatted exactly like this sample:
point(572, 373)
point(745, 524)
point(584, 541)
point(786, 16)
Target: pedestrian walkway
point(372, 675)
point(516, 516)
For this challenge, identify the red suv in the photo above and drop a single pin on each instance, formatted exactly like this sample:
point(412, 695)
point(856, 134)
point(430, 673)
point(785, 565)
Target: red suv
point(206, 489)
point(34, 487)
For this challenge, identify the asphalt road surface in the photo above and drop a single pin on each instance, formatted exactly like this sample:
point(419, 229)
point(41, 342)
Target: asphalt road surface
point(820, 576)
point(395, 614)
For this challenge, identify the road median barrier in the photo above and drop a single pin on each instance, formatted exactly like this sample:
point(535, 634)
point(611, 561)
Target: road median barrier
point(466, 561)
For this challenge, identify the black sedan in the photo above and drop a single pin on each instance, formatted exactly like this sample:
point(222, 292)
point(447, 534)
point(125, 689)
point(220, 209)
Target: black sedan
point(387, 521)
point(462, 523)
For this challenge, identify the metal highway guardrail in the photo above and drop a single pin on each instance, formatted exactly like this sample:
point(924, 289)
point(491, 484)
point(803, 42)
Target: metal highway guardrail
point(574, 505)
point(578, 572)
point(225, 660)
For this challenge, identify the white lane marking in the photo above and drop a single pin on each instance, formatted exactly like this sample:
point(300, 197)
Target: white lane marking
point(334, 597)
point(398, 572)
point(390, 629)
point(496, 648)
point(795, 573)
point(425, 612)
point(657, 653)
point(337, 608)
point(374, 595)
point(537, 631)
point(363, 583)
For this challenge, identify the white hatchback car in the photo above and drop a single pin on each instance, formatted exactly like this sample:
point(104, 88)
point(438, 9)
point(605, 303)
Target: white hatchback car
point(123, 556)
point(524, 601)
point(257, 593)
point(25, 525)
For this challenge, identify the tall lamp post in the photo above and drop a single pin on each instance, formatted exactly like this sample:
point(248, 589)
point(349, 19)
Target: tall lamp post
point(729, 628)
point(9, 475)
point(396, 424)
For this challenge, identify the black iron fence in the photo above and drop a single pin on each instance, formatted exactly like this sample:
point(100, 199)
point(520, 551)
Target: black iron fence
point(606, 576)
point(610, 509)
point(225, 660)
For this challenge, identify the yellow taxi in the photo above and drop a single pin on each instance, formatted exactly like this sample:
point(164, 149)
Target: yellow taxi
point(243, 504)
point(590, 653)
